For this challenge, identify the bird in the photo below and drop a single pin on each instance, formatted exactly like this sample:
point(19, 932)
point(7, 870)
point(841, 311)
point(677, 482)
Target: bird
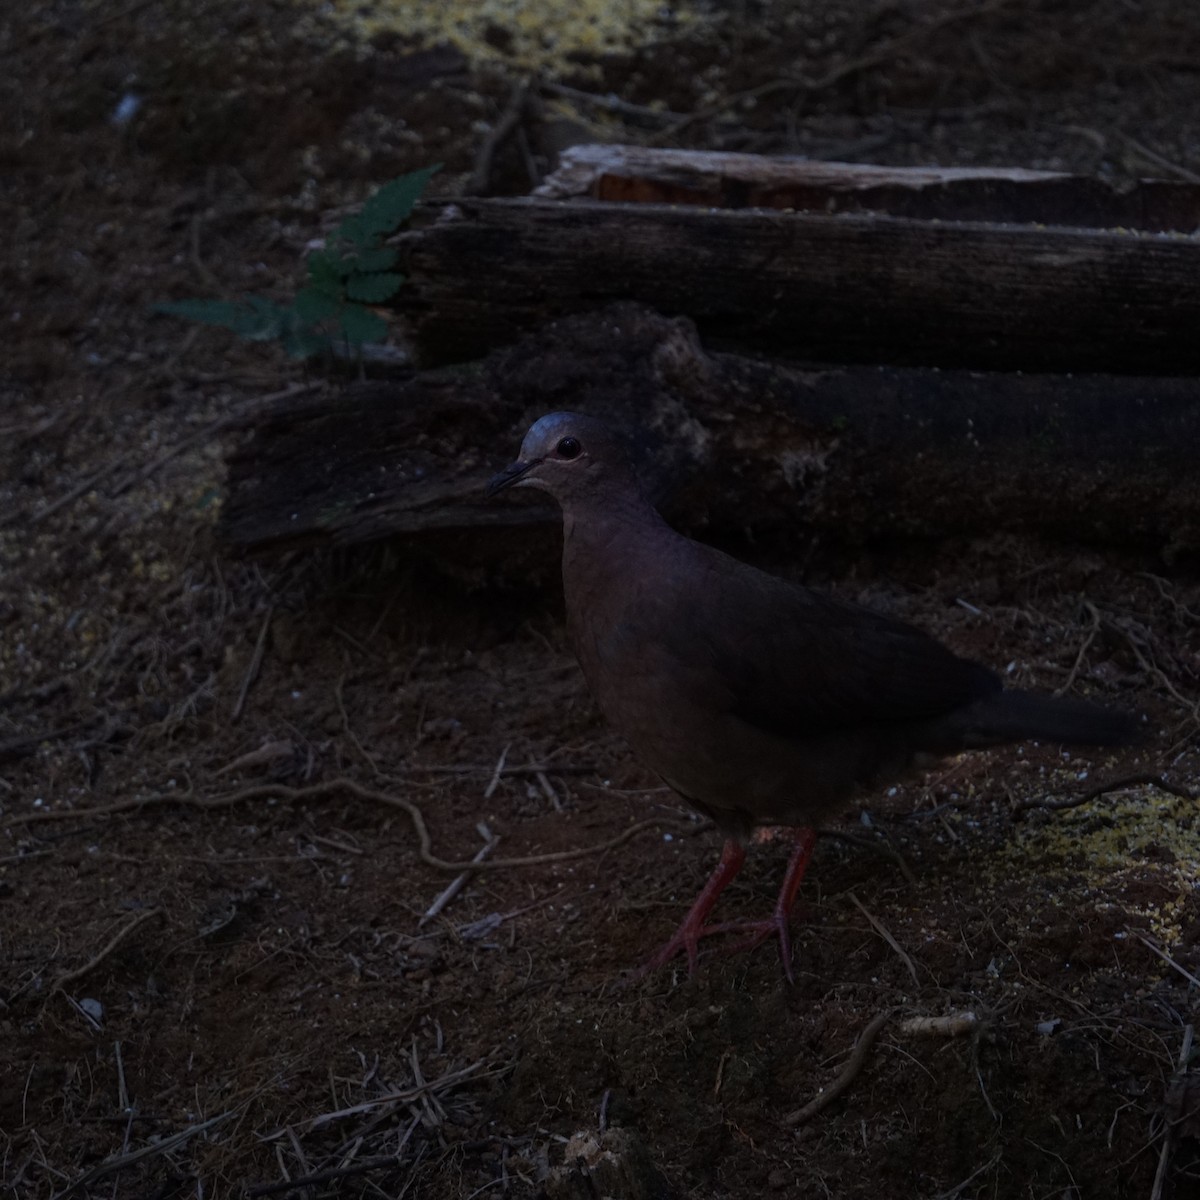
point(759, 701)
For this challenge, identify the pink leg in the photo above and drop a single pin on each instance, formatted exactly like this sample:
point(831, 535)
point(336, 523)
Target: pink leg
point(777, 923)
point(688, 935)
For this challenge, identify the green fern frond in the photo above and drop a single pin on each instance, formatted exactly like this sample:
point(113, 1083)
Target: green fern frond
point(373, 289)
point(387, 208)
point(353, 270)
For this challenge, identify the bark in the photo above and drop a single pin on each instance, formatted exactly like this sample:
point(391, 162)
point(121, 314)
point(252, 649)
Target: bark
point(727, 445)
point(833, 262)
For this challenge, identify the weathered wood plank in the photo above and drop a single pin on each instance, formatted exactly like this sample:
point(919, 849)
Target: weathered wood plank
point(1007, 195)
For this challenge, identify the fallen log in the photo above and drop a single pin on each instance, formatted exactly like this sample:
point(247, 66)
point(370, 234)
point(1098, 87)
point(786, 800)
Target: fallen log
point(834, 262)
point(729, 446)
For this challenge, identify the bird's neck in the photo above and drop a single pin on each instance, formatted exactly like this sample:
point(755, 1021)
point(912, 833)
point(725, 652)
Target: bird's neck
point(614, 523)
point(611, 540)
point(621, 564)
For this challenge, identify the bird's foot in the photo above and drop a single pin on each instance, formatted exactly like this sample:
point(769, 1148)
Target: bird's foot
point(686, 939)
point(757, 932)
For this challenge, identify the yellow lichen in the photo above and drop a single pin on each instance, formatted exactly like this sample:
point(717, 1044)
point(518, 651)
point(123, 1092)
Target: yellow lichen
point(528, 34)
point(1119, 843)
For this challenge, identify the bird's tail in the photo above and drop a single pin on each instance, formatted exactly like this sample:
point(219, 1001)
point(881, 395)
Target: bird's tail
point(1014, 716)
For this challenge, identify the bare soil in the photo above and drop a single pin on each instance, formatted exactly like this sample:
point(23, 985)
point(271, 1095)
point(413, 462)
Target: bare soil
point(215, 976)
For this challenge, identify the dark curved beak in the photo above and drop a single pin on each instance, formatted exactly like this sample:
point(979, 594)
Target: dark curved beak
point(508, 477)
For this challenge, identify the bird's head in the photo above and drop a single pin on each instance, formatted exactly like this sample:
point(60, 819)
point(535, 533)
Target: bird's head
point(565, 454)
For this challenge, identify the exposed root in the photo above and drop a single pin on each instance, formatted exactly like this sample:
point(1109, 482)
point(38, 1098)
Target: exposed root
point(849, 1073)
point(1141, 779)
point(279, 791)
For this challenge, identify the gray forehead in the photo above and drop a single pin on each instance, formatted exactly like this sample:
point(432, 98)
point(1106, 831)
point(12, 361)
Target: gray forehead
point(546, 432)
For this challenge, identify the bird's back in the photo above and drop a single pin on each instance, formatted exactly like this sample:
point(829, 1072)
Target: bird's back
point(755, 698)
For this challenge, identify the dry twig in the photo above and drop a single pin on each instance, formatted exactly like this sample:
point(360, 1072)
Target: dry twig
point(80, 489)
point(27, 742)
point(1169, 1134)
point(612, 103)
point(885, 848)
point(422, 1089)
point(268, 752)
point(120, 1161)
point(196, 257)
point(1144, 152)
point(256, 661)
point(884, 933)
point(9, 859)
point(951, 1025)
point(326, 1176)
point(481, 172)
point(494, 782)
point(1142, 651)
point(519, 769)
point(548, 790)
point(1141, 937)
point(456, 885)
point(959, 1188)
point(1085, 646)
point(109, 947)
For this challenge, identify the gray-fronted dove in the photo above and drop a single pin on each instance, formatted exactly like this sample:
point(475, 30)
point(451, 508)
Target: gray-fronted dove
point(759, 701)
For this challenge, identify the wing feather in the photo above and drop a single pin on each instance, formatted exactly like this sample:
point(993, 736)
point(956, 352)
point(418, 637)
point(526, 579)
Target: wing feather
point(793, 662)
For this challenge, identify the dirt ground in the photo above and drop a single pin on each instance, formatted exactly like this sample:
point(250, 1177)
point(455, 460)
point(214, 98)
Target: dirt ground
point(216, 971)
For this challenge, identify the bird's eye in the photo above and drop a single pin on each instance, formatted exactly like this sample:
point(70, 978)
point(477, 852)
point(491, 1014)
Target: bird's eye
point(568, 447)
